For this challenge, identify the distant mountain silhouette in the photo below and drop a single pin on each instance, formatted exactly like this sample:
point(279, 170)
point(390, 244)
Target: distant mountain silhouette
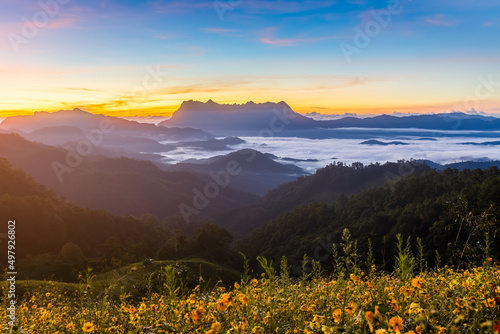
point(98, 134)
point(278, 118)
point(86, 121)
point(381, 143)
point(487, 143)
point(267, 118)
point(257, 173)
point(444, 121)
point(484, 164)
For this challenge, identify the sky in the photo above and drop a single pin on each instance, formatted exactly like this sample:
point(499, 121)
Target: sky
point(128, 58)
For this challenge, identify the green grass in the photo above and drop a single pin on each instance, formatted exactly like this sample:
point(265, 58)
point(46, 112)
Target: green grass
point(136, 279)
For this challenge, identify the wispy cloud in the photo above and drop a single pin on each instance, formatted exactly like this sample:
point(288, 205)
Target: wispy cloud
point(166, 36)
point(269, 38)
point(176, 7)
point(61, 23)
point(442, 20)
point(490, 23)
point(281, 6)
point(219, 30)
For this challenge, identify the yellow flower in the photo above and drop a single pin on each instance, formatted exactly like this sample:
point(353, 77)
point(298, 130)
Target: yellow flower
point(396, 324)
point(214, 328)
point(416, 282)
point(414, 308)
point(394, 305)
point(88, 327)
point(254, 282)
point(70, 326)
point(224, 302)
point(381, 331)
point(337, 313)
point(197, 315)
point(406, 291)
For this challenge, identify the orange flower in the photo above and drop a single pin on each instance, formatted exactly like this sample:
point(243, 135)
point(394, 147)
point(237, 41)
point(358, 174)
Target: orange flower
point(197, 315)
point(396, 324)
point(337, 313)
point(406, 291)
point(416, 282)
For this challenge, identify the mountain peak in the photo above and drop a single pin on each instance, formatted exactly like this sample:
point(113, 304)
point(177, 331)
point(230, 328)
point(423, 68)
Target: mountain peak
point(250, 116)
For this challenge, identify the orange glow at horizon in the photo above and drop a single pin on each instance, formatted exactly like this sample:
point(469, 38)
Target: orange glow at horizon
point(156, 108)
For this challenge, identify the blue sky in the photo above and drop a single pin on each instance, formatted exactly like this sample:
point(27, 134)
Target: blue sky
point(429, 57)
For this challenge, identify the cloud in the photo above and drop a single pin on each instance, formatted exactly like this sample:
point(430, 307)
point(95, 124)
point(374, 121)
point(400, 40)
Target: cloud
point(347, 148)
point(270, 39)
point(61, 23)
point(218, 30)
point(166, 36)
point(177, 7)
point(489, 23)
point(442, 20)
point(285, 6)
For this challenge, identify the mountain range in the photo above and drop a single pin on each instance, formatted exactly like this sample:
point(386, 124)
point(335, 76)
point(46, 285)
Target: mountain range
point(278, 118)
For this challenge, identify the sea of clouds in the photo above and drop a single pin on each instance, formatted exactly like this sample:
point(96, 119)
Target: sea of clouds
point(442, 147)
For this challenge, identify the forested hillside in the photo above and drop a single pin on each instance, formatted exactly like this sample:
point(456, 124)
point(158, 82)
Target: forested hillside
point(57, 239)
point(450, 211)
point(323, 186)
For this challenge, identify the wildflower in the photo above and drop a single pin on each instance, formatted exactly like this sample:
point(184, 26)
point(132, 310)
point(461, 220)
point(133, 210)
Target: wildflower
point(406, 291)
point(197, 315)
point(254, 282)
point(355, 278)
point(70, 326)
point(381, 331)
point(394, 305)
point(370, 317)
point(416, 282)
point(88, 327)
point(224, 302)
point(337, 313)
point(396, 324)
point(414, 308)
point(214, 328)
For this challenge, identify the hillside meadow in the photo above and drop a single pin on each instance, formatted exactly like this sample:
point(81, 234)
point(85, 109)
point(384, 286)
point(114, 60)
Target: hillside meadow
point(442, 300)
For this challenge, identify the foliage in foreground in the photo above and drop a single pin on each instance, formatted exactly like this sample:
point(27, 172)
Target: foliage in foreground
point(444, 301)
